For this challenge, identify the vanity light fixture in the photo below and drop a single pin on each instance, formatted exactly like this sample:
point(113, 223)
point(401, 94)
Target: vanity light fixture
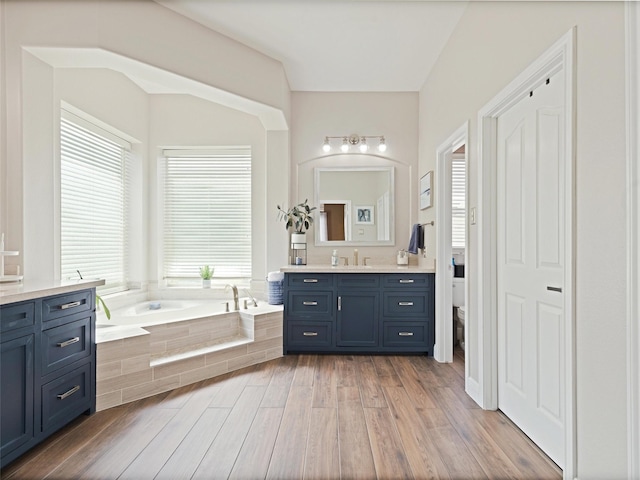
point(345, 145)
point(355, 140)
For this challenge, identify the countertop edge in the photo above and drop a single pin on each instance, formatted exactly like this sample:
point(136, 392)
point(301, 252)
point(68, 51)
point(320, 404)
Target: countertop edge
point(356, 269)
point(30, 290)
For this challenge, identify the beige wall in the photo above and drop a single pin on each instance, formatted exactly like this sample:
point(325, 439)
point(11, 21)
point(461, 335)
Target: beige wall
point(492, 44)
point(394, 115)
point(145, 32)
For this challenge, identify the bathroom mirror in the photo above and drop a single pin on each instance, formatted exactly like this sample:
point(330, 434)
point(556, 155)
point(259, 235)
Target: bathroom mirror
point(355, 206)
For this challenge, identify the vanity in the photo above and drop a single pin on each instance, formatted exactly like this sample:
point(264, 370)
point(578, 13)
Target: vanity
point(48, 366)
point(359, 309)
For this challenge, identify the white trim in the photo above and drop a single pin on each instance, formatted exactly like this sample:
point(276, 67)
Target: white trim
point(561, 56)
point(443, 348)
point(632, 41)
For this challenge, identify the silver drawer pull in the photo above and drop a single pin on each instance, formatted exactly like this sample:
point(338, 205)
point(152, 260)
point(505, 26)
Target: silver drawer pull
point(69, 305)
point(405, 304)
point(310, 334)
point(68, 393)
point(405, 334)
point(406, 281)
point(312, 304)
point(71, 341)
point(310, 280)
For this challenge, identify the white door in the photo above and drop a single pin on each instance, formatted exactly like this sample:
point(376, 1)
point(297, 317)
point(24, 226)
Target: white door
point(531, 266)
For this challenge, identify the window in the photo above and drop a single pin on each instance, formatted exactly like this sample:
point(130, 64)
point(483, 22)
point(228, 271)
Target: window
point(93, 202)
point(207, 214)
point(458, 201)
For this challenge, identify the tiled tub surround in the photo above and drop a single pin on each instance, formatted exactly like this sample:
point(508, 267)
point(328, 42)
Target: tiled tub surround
point(135, 362)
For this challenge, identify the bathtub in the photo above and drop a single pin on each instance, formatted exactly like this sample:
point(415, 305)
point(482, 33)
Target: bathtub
point(143, 351)
point(157, 312)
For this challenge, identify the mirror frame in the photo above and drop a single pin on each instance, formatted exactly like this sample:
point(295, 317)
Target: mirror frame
point(392, 196)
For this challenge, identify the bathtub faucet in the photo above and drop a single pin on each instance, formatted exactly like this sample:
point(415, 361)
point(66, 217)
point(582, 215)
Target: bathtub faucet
point(236, 304)
point(253, 300)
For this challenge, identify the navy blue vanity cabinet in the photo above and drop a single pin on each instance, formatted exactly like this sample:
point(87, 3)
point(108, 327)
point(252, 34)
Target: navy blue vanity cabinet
point(358, 308)
point(17, 374)
point(48, 368)
point(359, 313)
point(310, 311)
point(408, 319)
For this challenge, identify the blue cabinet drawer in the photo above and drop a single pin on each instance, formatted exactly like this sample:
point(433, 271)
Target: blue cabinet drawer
point(309, 304)
point(66, 397)
point(409, 280)
point(309, 334)
point(413, 334)
point(65, 344)
point(311, 281)
point(366, 280)
point(63, 305)
point(398, 304)
point(17, 315)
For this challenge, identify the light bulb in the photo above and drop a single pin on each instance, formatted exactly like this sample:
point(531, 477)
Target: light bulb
point(345, 145)
point(363, 145)
point(382, 146)
point(326, 147)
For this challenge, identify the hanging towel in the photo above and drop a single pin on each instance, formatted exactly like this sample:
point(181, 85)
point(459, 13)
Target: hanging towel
point(417, 239)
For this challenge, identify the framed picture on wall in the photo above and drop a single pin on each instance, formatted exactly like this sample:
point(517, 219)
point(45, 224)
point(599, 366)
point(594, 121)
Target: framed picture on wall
point(426, 185)
point(364, 214)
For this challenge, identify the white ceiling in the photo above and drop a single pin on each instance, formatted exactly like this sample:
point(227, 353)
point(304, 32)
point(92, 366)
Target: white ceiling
point(349, 46)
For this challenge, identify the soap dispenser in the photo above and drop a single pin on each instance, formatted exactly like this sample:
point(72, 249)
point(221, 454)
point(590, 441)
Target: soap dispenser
point(334, 258)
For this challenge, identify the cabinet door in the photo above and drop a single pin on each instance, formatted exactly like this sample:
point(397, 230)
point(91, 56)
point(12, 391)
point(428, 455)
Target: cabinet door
point(16, 393)
point(357, 322)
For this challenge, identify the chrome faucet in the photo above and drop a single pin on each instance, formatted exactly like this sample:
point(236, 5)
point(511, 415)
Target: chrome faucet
point(355, 256)
point(236, 304)
point(255, 302)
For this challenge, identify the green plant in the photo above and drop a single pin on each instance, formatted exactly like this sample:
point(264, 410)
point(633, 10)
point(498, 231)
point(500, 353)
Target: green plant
point(206, 272)
point(299, 217)
point(100, 301)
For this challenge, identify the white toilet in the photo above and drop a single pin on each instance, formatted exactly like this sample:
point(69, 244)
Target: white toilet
point(458, 303)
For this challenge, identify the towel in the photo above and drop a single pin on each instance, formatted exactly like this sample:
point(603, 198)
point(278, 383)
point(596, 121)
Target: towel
point(417, 239)
point(275, 276)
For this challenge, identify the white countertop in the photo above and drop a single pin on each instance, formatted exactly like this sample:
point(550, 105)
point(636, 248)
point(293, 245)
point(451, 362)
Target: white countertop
point(30, 289)
point(356, 269)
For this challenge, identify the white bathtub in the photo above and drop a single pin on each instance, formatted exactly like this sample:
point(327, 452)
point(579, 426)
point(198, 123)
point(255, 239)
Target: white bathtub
point(144, 314)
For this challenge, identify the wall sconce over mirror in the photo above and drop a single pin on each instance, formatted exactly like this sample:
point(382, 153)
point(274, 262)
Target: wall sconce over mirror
point(353, 141)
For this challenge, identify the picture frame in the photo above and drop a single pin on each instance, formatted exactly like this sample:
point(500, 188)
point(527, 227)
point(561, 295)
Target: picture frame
point(426, 188)
point(364, 215)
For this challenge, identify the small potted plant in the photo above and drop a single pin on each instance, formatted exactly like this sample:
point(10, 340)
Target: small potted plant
point(206, 273)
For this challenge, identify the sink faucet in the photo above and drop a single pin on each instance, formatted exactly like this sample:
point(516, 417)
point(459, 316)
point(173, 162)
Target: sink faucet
point(236, 304)
point(355, 256)
point(255, 302)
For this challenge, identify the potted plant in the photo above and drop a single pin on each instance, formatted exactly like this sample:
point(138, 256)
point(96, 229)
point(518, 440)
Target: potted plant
point(206, 273)
point(299, 218)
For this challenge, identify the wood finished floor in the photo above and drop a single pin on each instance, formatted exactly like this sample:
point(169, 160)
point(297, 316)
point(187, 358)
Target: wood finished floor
point(298, 417)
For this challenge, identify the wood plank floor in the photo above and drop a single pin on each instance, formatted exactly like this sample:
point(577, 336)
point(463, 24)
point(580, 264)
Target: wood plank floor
point(298, 417)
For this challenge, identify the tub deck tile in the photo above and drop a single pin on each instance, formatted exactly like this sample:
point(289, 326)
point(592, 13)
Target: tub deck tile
point(202, 350)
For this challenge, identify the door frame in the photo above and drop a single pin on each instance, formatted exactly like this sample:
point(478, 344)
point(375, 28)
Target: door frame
point(560, 56)
point(632, 43)
point(443, 348)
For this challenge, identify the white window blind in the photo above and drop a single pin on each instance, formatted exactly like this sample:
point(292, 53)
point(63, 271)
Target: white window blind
point(93, 202)
point(207, 213)
point(458, 201)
